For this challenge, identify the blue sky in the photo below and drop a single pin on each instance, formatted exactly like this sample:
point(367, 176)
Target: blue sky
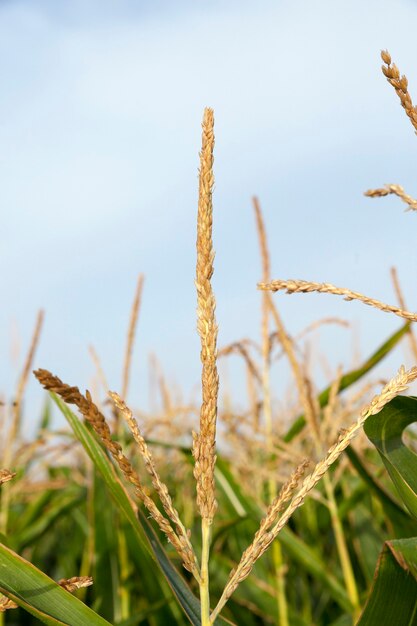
point(99, 137)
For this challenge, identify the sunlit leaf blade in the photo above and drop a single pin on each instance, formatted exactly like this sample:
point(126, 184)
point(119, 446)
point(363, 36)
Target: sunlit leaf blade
point(393, 597)
point(104, 466)
point(385, 431)
point(40, 595)
point(351, 377)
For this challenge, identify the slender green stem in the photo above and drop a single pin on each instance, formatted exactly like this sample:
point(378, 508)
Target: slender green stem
point(280, 584)
point(204, 583)
point(279, 570)
point(342, 549)
point(124, 575)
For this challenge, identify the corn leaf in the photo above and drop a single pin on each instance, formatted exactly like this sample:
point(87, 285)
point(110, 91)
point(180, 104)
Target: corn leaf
point(40, 595)
point(385, 431)
point(393, 597)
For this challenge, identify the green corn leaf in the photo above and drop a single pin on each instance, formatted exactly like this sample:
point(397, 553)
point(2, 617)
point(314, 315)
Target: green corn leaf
point(385, 431)
point(393, 597)
point(38, 594)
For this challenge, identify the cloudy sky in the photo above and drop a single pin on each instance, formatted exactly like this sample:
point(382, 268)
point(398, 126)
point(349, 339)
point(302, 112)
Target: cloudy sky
point(99, 136)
